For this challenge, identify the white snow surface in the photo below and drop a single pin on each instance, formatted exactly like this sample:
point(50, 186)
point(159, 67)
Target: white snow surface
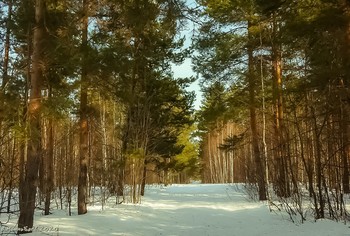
point(192, 209)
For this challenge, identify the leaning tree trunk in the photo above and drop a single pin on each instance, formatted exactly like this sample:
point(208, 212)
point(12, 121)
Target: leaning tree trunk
point(84, 132)
point(28, 184)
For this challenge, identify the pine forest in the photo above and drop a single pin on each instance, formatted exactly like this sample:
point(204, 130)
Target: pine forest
point(89, 102)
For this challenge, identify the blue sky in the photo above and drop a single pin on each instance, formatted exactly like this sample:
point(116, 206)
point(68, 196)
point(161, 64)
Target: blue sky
point(185, 70)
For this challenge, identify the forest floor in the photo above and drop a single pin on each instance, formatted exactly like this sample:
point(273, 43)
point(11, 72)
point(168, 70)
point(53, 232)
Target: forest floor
point(193, 209)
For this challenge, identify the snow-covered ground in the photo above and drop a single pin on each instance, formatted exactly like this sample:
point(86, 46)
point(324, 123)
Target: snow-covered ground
point(194, 209)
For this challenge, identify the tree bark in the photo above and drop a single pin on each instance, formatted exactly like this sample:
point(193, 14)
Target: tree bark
point(282, 182)
point(84, 127)
point(5, 77)
point(144, 176)
point(319, 167)
point(260, 176)
point(345, 102)
point(49, 174)
point(30, 182)
point(23, 145)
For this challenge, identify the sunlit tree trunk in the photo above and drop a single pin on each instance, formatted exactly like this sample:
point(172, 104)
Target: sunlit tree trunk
point(282, 182)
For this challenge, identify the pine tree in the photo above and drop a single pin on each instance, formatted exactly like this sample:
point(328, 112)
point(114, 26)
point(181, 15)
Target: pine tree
point(224, 50)
point(83, 112)
point(30, 182)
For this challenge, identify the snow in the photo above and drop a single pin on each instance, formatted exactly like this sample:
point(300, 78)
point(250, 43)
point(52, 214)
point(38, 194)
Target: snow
point(193, 209)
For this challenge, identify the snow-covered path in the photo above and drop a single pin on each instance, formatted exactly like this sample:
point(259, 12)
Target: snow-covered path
point(182, 210)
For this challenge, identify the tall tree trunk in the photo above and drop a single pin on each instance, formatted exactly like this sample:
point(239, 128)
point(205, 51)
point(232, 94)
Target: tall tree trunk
point(260, 175)
point(266, 159)
point(345, 154)
point(30, 181)
point(345, 102)
point(144, 176)
point(319, 166)
point(11, 181)
point(49, 174)
point(306, 162)
point(282, 182)
point(84, 127)
point(24, 144)
point(5, 77)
